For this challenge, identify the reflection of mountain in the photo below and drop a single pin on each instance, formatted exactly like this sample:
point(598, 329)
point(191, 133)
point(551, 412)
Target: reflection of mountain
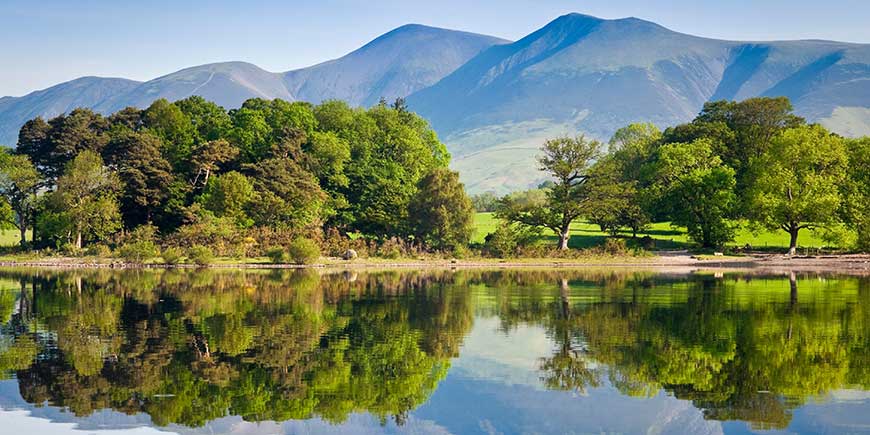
point(592, 350)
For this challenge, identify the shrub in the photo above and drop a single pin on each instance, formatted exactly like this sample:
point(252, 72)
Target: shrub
point(172, 255)
point(303, 251)
point(200, 255)
point(616, 247)
point(138, 252)
point(508, 239)
point(391, 248)
point(98, 250)
point(277, 255)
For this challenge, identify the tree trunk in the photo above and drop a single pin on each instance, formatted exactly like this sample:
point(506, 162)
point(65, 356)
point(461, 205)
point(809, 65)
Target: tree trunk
point(23, 230)
point(792, 244)
point(78, 240)
point(564, 235)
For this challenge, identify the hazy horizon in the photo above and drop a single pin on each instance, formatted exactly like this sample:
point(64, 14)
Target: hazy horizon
point(52, 41)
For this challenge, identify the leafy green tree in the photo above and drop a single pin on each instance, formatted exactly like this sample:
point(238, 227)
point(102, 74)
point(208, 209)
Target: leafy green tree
point(798, 181)
point(19, 185)
point(51, 148)
point(86, 193)
point(698, 191)
point(441, 213)
point(169, 123)
point(210, 121)
point(856, 191)
point(228, 195)
point(250, 133)
point(567, 160)
point(208, 157)
point(144, 173)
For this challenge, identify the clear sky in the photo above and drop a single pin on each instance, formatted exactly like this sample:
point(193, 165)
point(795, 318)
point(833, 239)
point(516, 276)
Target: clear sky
point(44, 42)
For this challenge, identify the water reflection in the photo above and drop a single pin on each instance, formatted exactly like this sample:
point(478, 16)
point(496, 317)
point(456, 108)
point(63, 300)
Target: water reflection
point(188, 348)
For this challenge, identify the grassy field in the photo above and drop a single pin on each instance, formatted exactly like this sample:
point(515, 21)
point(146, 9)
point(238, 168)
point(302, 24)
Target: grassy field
point(584, 235)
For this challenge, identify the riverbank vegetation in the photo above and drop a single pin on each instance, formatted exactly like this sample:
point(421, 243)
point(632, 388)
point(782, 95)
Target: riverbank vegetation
point(290, 182)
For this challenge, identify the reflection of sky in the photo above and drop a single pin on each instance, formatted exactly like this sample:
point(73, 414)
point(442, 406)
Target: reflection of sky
point(492, 388)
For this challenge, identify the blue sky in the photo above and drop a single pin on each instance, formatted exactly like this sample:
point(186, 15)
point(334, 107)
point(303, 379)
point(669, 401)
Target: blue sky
point(45, 42)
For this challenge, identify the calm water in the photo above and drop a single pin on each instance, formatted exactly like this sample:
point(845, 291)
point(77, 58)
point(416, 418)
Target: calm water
point(432, 352)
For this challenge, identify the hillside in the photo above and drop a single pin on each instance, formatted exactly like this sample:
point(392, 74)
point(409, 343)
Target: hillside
point(396, 64)
point(585, 74)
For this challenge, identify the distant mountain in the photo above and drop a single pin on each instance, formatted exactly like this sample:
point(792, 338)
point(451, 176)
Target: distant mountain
point(62, 98)
point(396, 64)
point(585, 74)
point(228, 84)
point(494, 102)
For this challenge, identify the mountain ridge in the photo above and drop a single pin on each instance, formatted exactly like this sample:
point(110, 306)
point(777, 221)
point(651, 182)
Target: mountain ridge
point(494, 101)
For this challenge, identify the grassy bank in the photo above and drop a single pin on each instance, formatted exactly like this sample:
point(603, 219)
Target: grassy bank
point(585, 235)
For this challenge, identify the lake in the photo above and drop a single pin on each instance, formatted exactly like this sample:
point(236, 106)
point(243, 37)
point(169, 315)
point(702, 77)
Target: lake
point(433, 352)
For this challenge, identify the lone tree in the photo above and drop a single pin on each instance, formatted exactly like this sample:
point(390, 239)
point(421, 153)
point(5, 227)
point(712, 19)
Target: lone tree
point(568, 161)
point(797, 182)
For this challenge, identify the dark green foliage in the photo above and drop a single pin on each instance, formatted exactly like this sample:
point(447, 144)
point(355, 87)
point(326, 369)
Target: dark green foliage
point(145, 174)
point(508, 238)
point(441, 214)
point(277, 255)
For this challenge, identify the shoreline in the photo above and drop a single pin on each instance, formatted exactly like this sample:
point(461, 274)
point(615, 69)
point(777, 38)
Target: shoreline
point(848, 263)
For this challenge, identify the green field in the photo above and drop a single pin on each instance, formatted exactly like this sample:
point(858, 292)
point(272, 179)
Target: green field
point(585, 235)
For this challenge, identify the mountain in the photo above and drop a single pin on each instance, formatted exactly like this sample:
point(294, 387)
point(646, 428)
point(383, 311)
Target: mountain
point(396, 64)
point(584, 74)
point(228, 84)
point(62, 98)
point(493, 102)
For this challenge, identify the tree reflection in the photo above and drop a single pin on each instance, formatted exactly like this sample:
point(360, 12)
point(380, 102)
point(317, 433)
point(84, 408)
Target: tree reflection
point(189, 347)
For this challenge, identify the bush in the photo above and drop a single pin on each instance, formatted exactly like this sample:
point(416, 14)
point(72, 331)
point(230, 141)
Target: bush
point(508, 239)
point(172, 255)
point(277, 255)
point(616, 247)
point(138, 252)
point(98, 250)
point(303, 251)
point(200, 255)
point(391, 248)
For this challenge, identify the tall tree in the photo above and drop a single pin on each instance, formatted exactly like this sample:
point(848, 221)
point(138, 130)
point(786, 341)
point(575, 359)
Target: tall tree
point(208, 157)
point(697, 190)
point(145, 174)
point(798, 181)
point(441, 213)
point(86, 193)
point(19, 185)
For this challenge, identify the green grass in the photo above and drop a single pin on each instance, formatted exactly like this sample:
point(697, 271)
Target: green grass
point(585, 235)
point(11, 237)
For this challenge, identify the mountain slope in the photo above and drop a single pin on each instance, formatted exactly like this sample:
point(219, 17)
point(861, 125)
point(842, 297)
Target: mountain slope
point(395, 64)
point(589, 75)
point(58, 99)
point(228, 84)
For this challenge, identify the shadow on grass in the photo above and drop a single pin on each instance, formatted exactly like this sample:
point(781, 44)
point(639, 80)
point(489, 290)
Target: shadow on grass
point(583, 241)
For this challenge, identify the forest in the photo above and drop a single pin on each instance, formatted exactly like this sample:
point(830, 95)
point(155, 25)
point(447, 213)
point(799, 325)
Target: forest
point(190, 180)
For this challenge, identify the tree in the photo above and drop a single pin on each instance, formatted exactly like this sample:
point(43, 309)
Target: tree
point(145, 174)
point(856, 191)
point(19, 185)
point(441, 213)
point(51, 146)
point(614, 203)
point(568, 161)
point(207, 158)
point(228, 195)
point(86, 193)
point(169, 123)
point(798, 181)
point(697, 190)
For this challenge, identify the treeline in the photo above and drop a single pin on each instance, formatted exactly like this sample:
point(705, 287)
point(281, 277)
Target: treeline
point(750, 163)
point(191, 174)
